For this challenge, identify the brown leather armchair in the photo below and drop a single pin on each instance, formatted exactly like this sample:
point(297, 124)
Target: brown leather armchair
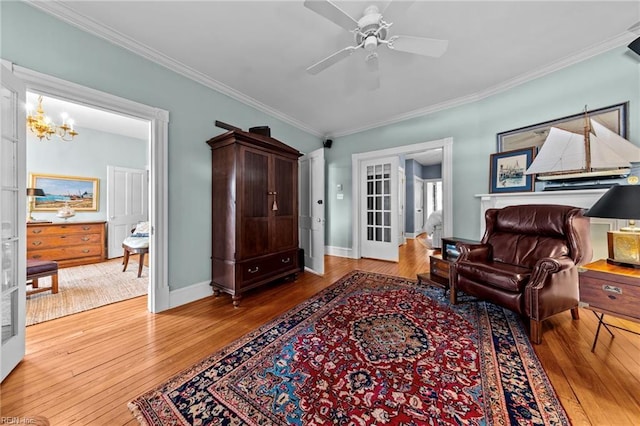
point(527, 261)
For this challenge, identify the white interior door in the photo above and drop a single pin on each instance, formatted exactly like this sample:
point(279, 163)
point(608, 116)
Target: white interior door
point(127, 204)
point(12, 222)
point(402, 189)
point(418, 224)
point(311, 210)
point(379, 201)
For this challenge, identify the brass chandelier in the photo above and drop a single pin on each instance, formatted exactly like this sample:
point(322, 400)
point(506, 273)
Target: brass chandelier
point(43, 127)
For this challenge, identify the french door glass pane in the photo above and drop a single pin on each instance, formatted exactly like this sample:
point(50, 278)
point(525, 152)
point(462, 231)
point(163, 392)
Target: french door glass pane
point(379, 202)
point(8, 215)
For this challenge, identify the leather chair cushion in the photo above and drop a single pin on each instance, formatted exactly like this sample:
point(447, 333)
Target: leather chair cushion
point(496, 274)
point(525, 249)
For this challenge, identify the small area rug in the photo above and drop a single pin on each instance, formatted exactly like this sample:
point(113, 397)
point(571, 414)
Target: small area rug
point(85, 287)
point(370, 349)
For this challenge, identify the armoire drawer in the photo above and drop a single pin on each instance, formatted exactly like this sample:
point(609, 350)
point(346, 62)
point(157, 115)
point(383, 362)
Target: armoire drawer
point(258, 269)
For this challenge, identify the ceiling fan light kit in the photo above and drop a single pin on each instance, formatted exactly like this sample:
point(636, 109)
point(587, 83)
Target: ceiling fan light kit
point(370, 31)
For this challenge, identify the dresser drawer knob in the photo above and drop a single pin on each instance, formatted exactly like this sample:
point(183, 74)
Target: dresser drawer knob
point(85, 238)
point(36, 256)
point(253, 271)
point(36, 231)
point(86, 228)
point(287, 260)
point(86, 251)
point(36, 243)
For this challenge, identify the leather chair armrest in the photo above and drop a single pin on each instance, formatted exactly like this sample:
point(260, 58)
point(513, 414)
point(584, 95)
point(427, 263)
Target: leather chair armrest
point(475, 252)
point(553, 288)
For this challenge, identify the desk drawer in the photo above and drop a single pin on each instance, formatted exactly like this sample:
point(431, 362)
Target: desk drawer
point(55, 241)
point(612, 296)
point(439, 267)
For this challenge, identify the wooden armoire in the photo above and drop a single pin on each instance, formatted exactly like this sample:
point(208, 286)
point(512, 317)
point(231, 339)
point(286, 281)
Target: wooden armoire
point(254, 211)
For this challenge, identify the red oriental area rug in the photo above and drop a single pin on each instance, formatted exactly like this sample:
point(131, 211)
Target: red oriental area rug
point(369, 350)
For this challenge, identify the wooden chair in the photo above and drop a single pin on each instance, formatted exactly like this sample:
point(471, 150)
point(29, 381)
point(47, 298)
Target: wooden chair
point(136, 243)
point(39, 269)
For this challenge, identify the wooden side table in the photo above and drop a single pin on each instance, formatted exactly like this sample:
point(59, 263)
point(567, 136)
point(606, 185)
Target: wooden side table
point(610, 289)
point(439, 265)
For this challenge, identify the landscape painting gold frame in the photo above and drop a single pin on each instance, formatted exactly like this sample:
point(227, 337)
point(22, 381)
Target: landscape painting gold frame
point(612, 117)
point(81, 193)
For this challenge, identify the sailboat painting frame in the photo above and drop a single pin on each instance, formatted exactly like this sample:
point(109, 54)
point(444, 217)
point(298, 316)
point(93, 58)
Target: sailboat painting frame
point(613, 117)
point(507, 171)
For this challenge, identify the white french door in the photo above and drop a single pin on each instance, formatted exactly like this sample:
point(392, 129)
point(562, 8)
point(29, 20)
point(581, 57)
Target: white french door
point(379, 221)
point(418, 199)
point(127, 204)
point(12, 222)
point(311, 209)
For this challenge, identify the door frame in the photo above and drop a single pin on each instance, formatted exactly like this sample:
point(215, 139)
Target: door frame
point(158, 291)
point(445, 144)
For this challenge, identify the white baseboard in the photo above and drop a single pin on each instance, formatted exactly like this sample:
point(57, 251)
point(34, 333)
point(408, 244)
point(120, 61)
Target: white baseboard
point(338, 251)
point(184, 295)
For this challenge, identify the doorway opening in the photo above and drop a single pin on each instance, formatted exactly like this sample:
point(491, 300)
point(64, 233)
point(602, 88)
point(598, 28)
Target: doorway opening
point(80, 227)
point(157, 136)
point(359, 184)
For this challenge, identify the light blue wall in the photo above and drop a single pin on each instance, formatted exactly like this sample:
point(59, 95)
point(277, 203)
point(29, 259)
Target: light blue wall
point(607, 79)
point(86, 156)
point(432, 172)
point(35, 40)
point(68, 53)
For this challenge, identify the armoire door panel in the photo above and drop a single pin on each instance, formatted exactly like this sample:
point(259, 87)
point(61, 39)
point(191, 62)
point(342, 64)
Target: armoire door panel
point(285, 176)
point(285, 234)
point(254, 237)
point(255, 183)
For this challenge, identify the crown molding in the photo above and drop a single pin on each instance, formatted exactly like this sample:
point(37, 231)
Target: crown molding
point(86, 24)
point(64, 13)
point(590, 52)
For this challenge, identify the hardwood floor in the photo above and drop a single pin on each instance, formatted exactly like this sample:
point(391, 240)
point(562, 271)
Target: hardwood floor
point(83, 369)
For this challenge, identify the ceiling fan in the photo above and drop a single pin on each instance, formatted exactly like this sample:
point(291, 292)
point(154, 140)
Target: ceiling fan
point(371, 31)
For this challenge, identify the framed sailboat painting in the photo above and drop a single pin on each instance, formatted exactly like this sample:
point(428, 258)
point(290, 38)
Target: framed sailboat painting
point(507, 171)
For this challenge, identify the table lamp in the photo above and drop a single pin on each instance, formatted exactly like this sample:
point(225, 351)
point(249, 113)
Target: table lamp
point(621, 202)
point(31, 193)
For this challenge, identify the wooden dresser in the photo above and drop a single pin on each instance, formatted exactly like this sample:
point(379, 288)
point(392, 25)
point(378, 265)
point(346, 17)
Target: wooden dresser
point(254, 212)
point(69, 244)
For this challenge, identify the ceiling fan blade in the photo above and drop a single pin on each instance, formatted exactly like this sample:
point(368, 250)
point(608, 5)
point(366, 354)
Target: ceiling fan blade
point(328, 61)
point(395, 10)
point(419, 45)
point(332, 12)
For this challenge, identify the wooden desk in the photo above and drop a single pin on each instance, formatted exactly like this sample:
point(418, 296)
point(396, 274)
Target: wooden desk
point(610, 289)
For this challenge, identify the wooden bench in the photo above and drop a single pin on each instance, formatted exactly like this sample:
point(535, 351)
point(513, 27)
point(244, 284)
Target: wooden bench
point(39, 269)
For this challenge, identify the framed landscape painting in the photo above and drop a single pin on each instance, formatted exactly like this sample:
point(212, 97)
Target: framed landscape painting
point(80, 193)
point(507, 171)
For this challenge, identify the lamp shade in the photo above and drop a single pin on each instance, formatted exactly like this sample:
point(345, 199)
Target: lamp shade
point(619, 202)
point(35, 192)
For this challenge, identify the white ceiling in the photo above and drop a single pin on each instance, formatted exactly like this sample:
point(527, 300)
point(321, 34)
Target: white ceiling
point(257, 51)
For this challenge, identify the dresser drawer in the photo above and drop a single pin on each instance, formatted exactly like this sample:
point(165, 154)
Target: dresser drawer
point(65, 229)
point(64, 253)
point(439, 267)
point(613, 296)
point(35, 242)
